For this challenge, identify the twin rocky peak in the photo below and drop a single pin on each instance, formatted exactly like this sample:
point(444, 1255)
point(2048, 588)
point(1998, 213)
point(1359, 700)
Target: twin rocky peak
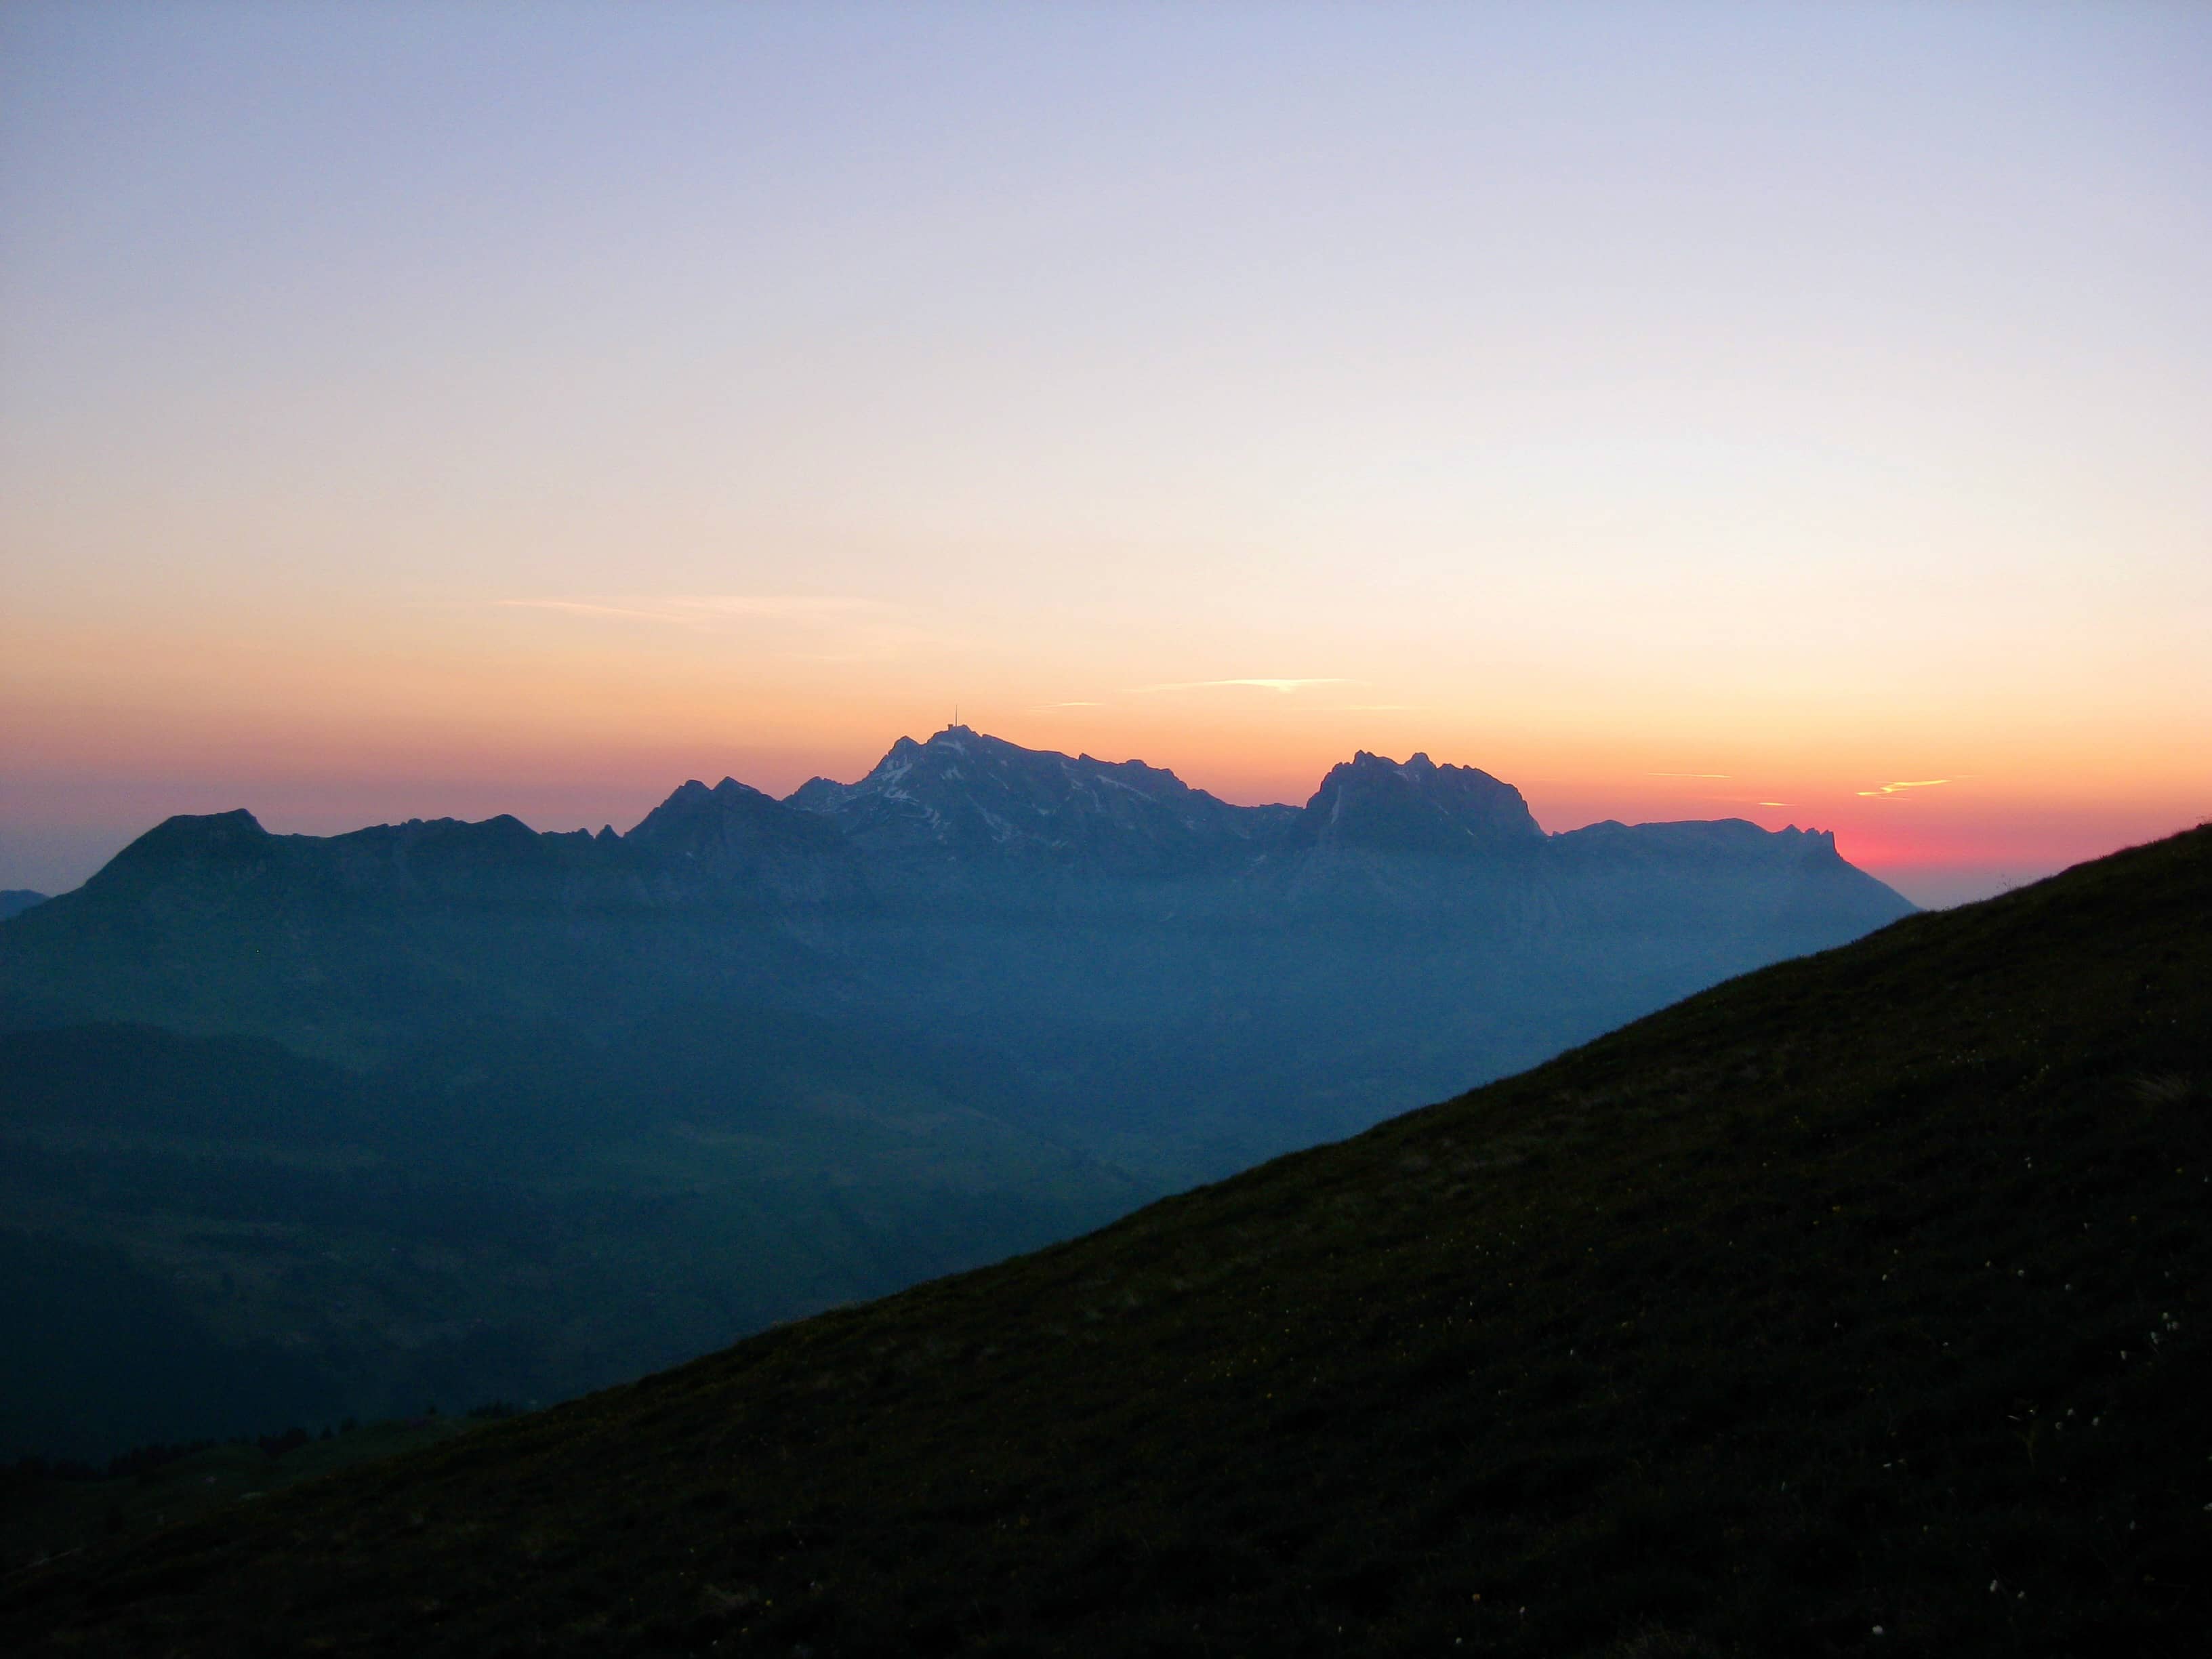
point(967, 797)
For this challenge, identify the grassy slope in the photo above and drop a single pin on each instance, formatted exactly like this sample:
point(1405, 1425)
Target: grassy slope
point(43, 1515)
point(1823, 1301)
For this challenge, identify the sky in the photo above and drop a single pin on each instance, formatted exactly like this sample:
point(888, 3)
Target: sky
point(1795, 413)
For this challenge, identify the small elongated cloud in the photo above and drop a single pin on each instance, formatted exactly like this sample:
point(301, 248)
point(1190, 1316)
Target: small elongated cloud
point(1284, 686)
point(1900, 786)
point(702, 609)
point(804, 627)
point(584, 608)
point(1685, 774)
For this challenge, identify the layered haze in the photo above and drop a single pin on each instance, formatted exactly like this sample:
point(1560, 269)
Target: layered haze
point(440, 1110)
point(1685, 413)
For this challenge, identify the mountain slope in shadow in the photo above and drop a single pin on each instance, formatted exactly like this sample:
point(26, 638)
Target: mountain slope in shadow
point(1855, 1305)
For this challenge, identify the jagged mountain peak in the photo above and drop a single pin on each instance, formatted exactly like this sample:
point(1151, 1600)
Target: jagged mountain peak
point(964, 795)
point(733, 844)
point(692, 790)
point(1380, 805)
point(730, 816)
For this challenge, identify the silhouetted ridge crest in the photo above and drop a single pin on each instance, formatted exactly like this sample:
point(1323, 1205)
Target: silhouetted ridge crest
point(1379, 804)
point(966, 801)
point(735, 844)
point(964, 797)
point(1716, 842)
point(218, 851)
point(1410, 912)
point(226, 837)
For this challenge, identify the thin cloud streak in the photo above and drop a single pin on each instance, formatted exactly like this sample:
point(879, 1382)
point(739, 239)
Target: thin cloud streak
point(584, 608)
point(1284, 686)
point(817, 628)
point(1893, 788)
point(695, 610)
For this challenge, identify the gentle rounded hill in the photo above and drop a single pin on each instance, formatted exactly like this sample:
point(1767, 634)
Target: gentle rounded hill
point(1855, 1305)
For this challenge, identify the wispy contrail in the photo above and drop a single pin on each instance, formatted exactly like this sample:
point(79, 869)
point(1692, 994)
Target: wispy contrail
point(1286, 686)
point(1892, 788)
point(587, 608)
point(692, 609)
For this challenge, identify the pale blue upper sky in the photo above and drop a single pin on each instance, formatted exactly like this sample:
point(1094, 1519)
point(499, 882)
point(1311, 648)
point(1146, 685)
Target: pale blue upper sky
point(1806, 387)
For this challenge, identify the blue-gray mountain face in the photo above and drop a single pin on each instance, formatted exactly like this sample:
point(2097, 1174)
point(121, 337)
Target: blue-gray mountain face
point(14, 901)
point(471, 1110)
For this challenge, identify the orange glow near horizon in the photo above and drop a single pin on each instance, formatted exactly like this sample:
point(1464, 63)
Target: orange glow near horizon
point(1617, 409)
point(323, 736)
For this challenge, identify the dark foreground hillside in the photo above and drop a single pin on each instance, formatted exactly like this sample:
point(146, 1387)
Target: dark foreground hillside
point(1858, 1305)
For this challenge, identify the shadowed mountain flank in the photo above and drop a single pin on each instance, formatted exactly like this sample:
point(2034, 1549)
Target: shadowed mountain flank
point(1857, 1305)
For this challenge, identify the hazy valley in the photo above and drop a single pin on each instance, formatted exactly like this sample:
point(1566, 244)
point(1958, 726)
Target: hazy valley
point(460, 1112)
